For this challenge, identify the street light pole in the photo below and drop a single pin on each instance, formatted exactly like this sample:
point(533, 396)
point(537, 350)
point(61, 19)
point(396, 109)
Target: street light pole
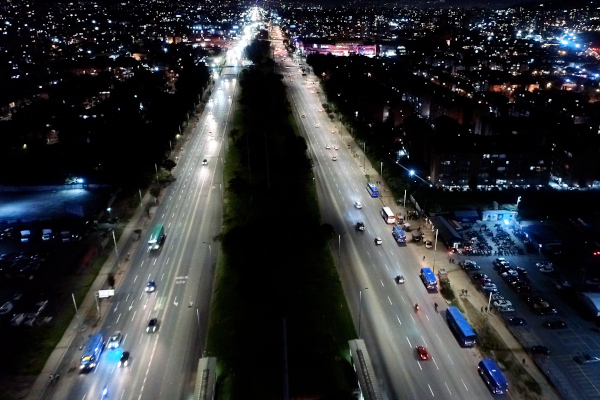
point(156, 169)
point(360, 308)
point(364, 156)
point(404, 199)
point(434, 249)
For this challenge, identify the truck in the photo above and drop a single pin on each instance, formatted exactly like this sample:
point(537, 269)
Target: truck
point(157, 237)
point(399, 235)
point(428, 278)
point(92, 352)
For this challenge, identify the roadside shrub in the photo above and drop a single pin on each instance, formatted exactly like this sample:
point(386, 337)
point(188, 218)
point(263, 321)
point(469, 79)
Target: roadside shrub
point(447, 290)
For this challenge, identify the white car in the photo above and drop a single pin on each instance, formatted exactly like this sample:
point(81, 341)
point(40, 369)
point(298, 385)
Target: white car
point(114, 341)
point(546, 269)
point(358, 205)
point(378, 241)
point(502, 303)
point(327, 146)
point(317, 126)
point(497, 296)
point(510, 272)
point(334, 158)
point(336, 147)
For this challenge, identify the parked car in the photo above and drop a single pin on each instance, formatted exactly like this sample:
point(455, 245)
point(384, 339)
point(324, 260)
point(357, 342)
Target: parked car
point(540, 350)
point(6, 308)
point(545, 311)
point(497, 296)
point(500, 261)
point(502, 303)
point(555, 324)
point(516, 321)
point(546, 269)
point(587, 358)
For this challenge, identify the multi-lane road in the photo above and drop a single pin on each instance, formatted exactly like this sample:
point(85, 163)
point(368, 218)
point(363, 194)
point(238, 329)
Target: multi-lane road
point(389, 324)
point(163, 364)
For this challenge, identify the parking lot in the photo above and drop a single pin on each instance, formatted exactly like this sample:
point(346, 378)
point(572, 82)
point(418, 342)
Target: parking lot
point(537, 292)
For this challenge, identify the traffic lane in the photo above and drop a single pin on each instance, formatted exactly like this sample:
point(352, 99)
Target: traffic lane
point(369, 247)
point(426, 327)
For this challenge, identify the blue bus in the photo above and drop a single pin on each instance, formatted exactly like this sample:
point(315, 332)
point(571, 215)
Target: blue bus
point(461, 328)
point(92, 353)
point(372, 189)
point(491, 375)
point(428, 279)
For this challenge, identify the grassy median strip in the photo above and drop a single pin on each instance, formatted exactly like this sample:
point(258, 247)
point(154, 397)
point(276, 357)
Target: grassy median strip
point(276, 287)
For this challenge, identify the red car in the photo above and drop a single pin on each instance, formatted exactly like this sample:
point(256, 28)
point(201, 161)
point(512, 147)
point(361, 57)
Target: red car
point(422, 351)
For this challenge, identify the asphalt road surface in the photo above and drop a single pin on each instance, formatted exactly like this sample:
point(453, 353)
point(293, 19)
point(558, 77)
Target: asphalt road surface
point(163, 364)
point(389, 324)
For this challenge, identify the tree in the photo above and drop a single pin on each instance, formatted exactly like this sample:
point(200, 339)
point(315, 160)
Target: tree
point(111, 280)
point(169, 164)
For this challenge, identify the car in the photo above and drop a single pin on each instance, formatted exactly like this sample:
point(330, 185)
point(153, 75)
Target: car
point(151, 287)
point(511, 280)
point(114, 341)
point(537, 301)
point(399, 279)
point(555, 324)
point(540, 350)
point(152, 325)
point(204, 162)
point(6, 308)
point(503, 268)
point(521, 271)
point(509, 272)
point(327, 146)
point(477, 276)
point(468, 264)
point(336, 147)
point(358, 205)
point(360, 226)
point(303, 116)
point(522, 288)
point(544, 264)
point(428, 244)
point(587, 358)
point(489, 289)
point(378, 241)
point(502, 303)
point(516, 321)
point(500, 261)
point(333, 131)
point(124, 361)
point(546, 269)
point(497, 296)
point(543, 311)
point(317, 126)
point(334, 158)
point(422, 352)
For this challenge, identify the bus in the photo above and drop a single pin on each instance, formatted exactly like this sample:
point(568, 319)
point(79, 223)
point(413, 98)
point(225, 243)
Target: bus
point(461, 328)
point(372, 189)
point(92, 353)
point(428, 279)
point(491, 375)
point(157, 237)
point(388, 216)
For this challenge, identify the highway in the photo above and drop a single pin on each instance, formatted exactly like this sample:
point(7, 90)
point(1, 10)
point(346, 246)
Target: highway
point(389, 324)
point(163, 364)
